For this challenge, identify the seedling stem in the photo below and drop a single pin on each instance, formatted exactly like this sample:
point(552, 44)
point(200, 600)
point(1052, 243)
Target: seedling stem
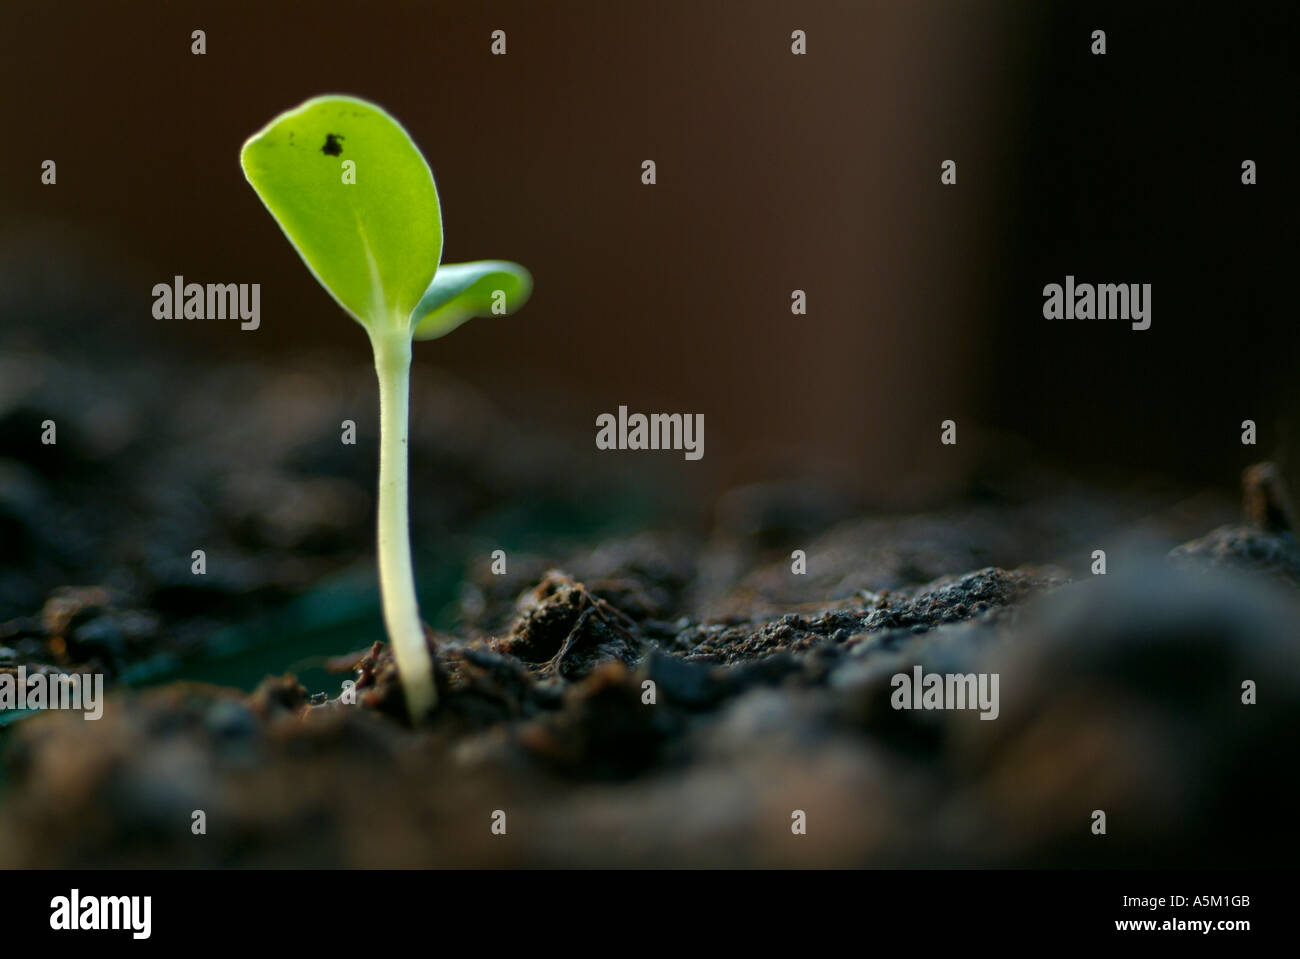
point(396, 577)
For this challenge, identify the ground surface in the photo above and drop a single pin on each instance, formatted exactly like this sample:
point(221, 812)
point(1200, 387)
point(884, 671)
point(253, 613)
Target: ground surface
point(1120, 693)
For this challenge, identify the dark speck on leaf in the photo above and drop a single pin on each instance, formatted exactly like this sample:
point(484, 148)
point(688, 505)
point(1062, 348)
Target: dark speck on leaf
point(332, 145)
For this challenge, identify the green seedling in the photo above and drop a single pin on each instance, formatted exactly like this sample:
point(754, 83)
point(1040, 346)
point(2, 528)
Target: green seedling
point(356, 198)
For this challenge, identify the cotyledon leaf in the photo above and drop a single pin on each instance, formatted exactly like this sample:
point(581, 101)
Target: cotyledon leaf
point(373, 243)
point(462, 291)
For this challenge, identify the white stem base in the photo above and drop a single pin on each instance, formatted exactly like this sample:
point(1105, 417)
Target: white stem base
point(396, 577)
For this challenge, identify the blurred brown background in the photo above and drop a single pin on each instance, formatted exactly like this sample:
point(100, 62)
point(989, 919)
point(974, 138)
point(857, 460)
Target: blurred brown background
point(775, 172)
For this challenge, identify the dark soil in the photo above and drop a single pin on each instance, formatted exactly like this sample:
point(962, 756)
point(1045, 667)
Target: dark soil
point(771, 691)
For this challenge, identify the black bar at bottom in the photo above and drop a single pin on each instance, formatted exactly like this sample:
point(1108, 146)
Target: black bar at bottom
point(328, 909)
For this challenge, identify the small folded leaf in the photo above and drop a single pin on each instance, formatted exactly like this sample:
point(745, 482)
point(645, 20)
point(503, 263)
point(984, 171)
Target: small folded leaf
point(356, 198)
point(462, 291)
